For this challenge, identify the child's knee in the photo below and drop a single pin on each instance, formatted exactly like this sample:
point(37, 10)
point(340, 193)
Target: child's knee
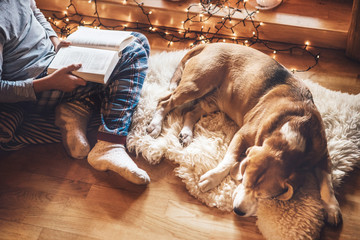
point(142, 40)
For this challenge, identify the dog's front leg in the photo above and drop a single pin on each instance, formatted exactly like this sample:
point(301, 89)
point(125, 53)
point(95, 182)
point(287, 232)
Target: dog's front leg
point(331, 205)
point(154, 128)
point(214, 177)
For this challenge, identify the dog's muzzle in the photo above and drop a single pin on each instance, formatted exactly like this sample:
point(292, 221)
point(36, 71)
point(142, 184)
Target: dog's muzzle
point(244, 203)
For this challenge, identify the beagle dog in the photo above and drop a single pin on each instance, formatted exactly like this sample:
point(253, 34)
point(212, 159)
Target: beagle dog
point(281, 134)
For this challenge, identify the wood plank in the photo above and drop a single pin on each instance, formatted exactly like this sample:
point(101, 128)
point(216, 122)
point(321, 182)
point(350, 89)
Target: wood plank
point(15, 231)
point(353, 40)
point(52, 234)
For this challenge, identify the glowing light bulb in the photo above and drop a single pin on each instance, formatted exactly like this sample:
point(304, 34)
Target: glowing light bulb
point(307, 43)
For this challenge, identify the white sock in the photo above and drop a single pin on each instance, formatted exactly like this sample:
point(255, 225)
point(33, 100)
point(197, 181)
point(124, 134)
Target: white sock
point(72, 120)
point(111, 156)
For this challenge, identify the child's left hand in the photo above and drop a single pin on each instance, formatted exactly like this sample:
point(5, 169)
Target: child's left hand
point(59, 44)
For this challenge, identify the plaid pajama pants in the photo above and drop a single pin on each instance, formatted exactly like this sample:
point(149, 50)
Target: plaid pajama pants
point(118, 98)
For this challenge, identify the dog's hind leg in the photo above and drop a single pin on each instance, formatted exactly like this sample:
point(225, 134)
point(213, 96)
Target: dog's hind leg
point(174, 82)
point(191, 117)
point(191, 87)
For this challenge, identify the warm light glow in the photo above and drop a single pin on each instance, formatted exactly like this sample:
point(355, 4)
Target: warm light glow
point(183, 31)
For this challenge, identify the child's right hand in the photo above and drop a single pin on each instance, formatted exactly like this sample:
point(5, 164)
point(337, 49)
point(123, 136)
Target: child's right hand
point(62, 80)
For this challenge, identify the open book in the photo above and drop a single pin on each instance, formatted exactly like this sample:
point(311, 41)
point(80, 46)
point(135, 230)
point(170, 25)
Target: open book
point(97, 50)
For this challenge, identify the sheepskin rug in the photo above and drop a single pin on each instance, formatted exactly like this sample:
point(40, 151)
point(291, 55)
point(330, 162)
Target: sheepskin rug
point(301, 217)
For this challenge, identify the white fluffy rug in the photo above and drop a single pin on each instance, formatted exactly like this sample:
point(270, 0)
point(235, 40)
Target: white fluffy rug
point(341, 115)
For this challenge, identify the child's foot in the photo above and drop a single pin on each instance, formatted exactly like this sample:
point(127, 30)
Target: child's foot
point(72, 120)
point(111, 156)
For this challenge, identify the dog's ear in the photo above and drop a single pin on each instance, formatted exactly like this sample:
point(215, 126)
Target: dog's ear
point(287, 195)
point(235, 172)
point(291, 184)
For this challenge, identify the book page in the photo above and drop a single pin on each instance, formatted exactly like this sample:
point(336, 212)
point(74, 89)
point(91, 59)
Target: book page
point(92, 60)
point(97, 38)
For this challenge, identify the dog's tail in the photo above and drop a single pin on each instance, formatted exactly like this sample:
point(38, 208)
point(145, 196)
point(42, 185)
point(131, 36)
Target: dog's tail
point(174, 82)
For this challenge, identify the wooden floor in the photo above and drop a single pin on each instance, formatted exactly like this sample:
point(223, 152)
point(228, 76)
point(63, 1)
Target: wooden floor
point(44, 194)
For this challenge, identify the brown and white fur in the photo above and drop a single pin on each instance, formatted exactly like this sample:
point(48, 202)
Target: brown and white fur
point(281, 134)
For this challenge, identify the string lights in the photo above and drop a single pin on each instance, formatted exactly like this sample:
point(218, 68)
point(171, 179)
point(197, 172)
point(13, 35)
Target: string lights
point(206, 22)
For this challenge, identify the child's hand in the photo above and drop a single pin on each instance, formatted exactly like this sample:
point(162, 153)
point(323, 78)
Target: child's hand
point(62, 80)
point(59, 44)
point(62, 43)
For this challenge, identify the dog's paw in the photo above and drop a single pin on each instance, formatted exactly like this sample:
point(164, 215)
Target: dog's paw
point(209, 180)
point(154, 129)
point(185, 137)
point(333, 215)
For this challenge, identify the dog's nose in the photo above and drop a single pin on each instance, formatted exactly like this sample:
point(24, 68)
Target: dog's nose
point(238, 212)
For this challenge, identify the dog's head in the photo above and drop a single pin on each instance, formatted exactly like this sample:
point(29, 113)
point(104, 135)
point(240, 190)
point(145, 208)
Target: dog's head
point(262, 175)
point(273, 170)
